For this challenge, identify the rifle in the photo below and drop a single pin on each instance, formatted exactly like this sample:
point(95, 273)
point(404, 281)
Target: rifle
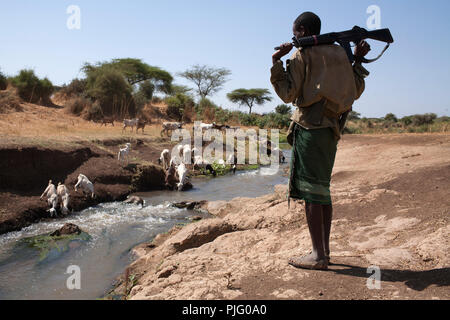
point(355, 35)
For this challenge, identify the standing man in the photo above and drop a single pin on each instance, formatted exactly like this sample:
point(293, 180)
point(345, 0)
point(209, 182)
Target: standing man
point(318, 80)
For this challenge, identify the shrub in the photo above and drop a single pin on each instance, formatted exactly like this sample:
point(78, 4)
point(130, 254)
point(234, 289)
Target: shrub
point(177, 104)
point(32, 89)
point(9, 101)
point(94, 112)
point(113, 93)
point(77, 87)
point(3, 82)
point(420, 119)
point(77, 105)
point(283, 109)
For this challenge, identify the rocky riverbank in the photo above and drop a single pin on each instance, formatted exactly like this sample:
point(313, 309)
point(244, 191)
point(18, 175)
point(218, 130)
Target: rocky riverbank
point(25, 171)
point(391, 211)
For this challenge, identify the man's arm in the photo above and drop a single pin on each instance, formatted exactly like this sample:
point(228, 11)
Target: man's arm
point(287, 83)
point(359, 71)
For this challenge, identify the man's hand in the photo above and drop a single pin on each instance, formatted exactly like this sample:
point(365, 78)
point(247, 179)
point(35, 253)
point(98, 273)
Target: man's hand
point(361, 50)
point(284, 50)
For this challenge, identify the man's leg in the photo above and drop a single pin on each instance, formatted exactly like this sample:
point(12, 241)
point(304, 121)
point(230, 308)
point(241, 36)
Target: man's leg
point(327, 214)
point(316, 259)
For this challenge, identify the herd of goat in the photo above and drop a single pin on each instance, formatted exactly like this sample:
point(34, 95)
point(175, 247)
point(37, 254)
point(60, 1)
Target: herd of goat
point(176, 168)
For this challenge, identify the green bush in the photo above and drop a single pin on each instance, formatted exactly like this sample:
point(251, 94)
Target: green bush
point(111, 90)
point(32, 89)
point(420, 119)
point(283, 109)
point(77, 87)
point(177, 104)
point(3, 82)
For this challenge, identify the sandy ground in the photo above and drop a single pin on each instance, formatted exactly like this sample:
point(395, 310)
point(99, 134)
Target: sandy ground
point(391, 212)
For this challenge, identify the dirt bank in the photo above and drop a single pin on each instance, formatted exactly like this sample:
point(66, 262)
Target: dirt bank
point(391, 211)
point(25, 171)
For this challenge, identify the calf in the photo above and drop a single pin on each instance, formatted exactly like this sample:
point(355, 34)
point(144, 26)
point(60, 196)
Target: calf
point(171, 176)
point(170, 126)
point(130, 123)
point(63, 195)
point(141, 125)
point(53, 202)
point(85, 185)
point(182, 174)
point(107, 120)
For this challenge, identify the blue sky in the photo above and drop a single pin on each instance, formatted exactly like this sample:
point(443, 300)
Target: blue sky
point(412, 77)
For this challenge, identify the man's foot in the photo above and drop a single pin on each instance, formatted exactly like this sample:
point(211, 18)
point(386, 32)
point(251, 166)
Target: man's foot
point(309, 262)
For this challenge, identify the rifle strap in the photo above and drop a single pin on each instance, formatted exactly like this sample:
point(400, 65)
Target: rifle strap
point(379, 56)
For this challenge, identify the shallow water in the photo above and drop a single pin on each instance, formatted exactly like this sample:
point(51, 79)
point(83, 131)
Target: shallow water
point(115, 229)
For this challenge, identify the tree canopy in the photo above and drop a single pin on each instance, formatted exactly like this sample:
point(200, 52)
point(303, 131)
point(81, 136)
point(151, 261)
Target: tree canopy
point(134, 71)
point(208, 80)
point(249, 97)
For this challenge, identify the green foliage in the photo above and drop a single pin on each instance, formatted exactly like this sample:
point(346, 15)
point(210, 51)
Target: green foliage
point(146, 89)
point(353, 115)
point(283, 109)
point(220, 169)
point(32, 89)
point(46, 243)
point(420, 119)
point(109, 87)
point(208, 80)
point(177, 104)
point(3, 81)
point(77, 87)
point(390, 117)
point(135, 71)
point(249, 97)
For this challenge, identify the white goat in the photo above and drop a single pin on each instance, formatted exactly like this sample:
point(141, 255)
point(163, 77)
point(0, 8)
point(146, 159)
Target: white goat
point(182, 173)
point(53, 202)
point(130, 123)
point(63, 194)
point(51, 189)
point(85, 184)
point(187, 154)
point(124, 153)
point(164, 159)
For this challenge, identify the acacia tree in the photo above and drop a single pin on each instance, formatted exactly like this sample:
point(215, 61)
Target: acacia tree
point(208, 80)
point(249, 97)
point(135, 71)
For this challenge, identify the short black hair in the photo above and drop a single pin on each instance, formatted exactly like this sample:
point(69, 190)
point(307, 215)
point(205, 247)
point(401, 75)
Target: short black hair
point(310, 21)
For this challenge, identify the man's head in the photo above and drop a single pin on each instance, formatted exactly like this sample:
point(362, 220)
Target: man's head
point(306, 24)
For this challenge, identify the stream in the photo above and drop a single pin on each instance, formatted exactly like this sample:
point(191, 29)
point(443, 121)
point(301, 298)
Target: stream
point(115, 228)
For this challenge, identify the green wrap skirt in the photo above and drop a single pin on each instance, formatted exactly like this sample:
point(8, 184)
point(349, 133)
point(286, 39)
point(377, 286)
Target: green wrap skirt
point(313, 154)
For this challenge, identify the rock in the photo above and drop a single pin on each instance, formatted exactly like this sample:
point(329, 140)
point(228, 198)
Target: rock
point(67, 229)
point(189, 205)
point(167, 272)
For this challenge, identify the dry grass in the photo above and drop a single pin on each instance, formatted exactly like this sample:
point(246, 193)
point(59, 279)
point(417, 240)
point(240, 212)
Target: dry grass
point(50, 124)
point(9, 101)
